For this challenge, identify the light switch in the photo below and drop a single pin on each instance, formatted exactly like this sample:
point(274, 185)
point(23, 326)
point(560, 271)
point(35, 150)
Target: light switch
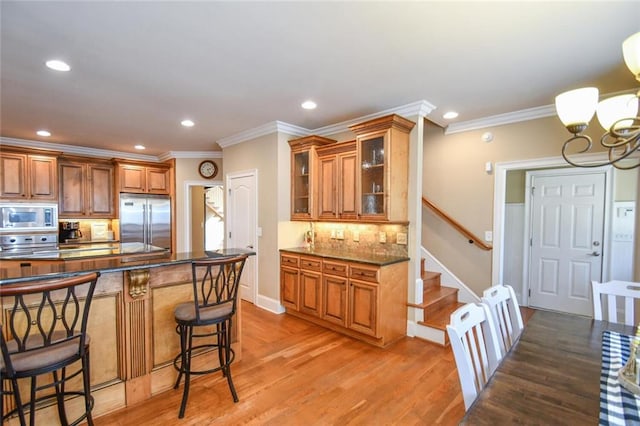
point(356, 236)
point(340, 234)
point(383, 237)
point(488, 236)
point(401, 238)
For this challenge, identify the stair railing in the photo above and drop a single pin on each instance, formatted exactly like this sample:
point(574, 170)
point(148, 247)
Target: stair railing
point(471, 237)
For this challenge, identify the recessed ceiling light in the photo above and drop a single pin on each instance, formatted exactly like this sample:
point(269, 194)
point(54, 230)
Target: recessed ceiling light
point(44, 133)
point(140, 147)
point(58, 65)
point(450, 115)
point(308, 105)
point(187, 123)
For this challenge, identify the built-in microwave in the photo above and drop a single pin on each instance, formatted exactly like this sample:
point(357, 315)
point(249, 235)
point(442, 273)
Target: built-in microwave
point(28, 217)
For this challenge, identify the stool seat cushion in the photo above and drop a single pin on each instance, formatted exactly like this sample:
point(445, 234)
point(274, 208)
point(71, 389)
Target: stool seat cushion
point(186, 312)
point(39, 356)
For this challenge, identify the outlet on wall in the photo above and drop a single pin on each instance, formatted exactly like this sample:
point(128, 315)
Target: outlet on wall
point(356, 236)
point(340, 234)
point(401, 238)
point(333, 233)
point(382, 237)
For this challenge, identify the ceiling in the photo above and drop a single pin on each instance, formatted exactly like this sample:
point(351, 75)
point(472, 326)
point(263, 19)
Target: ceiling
point(139, 68)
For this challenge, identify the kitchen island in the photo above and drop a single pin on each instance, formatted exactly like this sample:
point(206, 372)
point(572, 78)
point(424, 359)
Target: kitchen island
point(131, 319)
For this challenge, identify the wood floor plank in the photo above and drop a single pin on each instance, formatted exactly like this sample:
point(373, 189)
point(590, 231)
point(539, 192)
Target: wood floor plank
point(294, 372)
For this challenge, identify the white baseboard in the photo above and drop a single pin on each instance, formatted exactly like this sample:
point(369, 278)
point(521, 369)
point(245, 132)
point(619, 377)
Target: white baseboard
point(269, 304)
point(427, 333)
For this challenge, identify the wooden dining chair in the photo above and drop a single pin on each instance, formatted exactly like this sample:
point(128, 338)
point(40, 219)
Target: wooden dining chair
point(502, 302)
point(612, 291)
point(475, 348)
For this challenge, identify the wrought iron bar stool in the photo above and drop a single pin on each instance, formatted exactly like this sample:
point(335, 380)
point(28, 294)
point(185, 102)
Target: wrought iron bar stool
point(46, 325)
point(215, 290)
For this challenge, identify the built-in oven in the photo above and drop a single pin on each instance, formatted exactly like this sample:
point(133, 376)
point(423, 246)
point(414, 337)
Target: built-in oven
point(15, 217)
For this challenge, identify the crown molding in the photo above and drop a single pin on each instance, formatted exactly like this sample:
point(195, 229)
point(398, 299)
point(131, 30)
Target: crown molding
point(189, 154)
point(265, 129)
point(501, 119)
point(76, 150)
point(420, 108)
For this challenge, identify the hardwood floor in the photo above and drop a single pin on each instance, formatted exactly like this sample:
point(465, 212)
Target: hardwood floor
point(294, 372)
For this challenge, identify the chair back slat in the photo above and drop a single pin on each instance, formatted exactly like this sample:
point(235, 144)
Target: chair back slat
point(505, 310)
point(475, 348)
point(614, 291)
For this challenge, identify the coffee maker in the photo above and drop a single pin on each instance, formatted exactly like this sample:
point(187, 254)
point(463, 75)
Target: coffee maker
point(69, 231)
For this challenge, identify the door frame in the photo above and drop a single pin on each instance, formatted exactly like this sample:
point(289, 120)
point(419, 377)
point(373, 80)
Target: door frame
point(499, 205)
point(606, 225)
point(186, 222)
point(253, 173)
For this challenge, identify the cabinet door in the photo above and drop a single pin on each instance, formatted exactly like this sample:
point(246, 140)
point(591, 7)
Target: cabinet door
point(310, 292)
point(289, 288)
point(347, 198)
point(301, 185)
point(100, 190)
point(13, 173)
point(334, 299)
point(42, 178)
point(157, 180)
point(363, 307)
point(72, 192)
point(327, 188)
point(372, 176)
point(132, 178)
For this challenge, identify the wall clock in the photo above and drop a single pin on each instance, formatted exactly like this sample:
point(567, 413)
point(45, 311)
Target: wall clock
point(208, 169)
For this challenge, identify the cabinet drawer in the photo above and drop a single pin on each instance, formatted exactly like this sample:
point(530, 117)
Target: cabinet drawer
point(289, 260)
point(311, 263)
point(335, 268)
point(364, 273)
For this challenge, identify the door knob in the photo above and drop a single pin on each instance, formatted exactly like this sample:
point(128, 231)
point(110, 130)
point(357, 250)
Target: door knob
point(595, 253)
point(250, 247)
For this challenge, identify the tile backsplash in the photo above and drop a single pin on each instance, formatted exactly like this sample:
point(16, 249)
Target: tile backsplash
point(373, 238)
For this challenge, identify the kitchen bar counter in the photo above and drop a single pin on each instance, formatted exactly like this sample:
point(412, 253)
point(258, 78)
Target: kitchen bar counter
point(126, 257)
point(349, 255)
point(132, 318)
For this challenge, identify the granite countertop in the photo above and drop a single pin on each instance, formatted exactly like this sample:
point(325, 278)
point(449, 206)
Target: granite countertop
point(83, 251)
point(349, 255)
point(139, 260)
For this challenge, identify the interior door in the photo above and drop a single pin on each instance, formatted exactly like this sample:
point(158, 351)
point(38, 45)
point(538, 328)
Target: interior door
point(242, 226)
point(566, 237)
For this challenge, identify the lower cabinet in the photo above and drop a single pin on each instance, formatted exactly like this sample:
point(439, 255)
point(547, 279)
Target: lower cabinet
point(362, 300)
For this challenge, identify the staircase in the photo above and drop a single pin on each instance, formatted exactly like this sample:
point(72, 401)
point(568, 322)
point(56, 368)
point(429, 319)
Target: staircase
point(438, 302)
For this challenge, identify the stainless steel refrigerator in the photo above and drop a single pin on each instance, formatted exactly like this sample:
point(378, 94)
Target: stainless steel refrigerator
point(145, 219)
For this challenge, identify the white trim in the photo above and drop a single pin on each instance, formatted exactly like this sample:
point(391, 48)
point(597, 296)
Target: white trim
point(448, 278)
point(608, 201)
point(229, 219)
point(265, 129)
point(499, 193)
point(189, 154)
point(186, 241)
point(426, 333)
point(271, 305)
point(513, 117)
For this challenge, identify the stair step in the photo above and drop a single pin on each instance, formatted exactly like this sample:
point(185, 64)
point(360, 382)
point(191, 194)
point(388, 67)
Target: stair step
point(436, 298)
point(440, 318)
point(430, 279)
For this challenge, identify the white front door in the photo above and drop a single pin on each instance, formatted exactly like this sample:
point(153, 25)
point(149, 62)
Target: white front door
point(566, 237)
point(241, 219)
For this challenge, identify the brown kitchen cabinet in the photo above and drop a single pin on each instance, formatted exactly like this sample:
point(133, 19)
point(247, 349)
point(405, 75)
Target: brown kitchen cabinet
point(304, 177)
point(383, 168)
point(337, 181)
point(143, 178)
point(28, 177)
point(86, 188)
point(365, 301)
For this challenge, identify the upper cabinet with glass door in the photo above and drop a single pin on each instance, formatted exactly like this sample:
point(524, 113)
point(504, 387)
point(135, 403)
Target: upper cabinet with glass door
point(383, 159)
point(304, 177)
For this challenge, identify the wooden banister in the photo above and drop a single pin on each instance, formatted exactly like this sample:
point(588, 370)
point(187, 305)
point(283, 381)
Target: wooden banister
point(472, 238)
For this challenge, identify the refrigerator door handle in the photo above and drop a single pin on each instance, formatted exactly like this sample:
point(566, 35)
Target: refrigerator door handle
point(145, 223)
point(149, 224)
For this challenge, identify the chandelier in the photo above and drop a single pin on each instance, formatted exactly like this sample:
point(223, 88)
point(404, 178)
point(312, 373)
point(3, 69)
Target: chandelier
point(617, 115)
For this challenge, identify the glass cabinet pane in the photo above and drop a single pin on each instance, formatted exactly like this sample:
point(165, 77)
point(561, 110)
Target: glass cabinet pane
point(301, 183)
point(372, 177)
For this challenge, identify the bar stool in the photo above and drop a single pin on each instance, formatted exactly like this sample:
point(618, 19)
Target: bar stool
point(47, 329)
point(215, 290)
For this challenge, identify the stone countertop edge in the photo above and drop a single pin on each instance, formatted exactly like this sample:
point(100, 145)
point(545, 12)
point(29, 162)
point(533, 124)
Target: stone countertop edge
point(126, 262)
point(351, 256)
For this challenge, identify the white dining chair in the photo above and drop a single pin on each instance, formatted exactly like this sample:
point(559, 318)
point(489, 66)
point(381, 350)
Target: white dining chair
point(612, 291)
point(502, 302)
point(475, 348)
